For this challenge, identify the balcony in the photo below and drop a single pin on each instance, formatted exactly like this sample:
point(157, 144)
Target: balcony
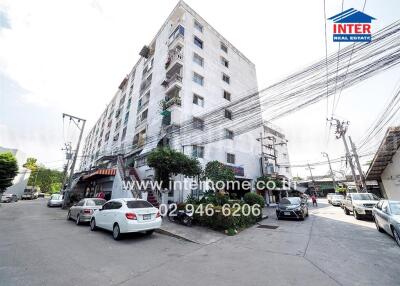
point(173, 82)
point(174, 60)
point(172, 98)
point(177, 36)
point(145, 84)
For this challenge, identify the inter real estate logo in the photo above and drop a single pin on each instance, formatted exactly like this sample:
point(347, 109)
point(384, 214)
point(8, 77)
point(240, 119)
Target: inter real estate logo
point(352, 26)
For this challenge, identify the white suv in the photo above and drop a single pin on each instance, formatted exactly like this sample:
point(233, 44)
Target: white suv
point(125, 216)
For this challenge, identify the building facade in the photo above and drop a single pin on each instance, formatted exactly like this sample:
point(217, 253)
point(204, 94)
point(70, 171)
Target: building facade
point(385, 166)
point(184, 92)
point(21, 180)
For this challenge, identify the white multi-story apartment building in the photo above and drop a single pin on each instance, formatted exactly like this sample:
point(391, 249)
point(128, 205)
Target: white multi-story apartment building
point(182, 92)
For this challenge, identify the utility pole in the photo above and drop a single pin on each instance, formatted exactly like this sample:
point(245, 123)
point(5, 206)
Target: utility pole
point(362, 178)
point(312, 177)
point(76, 120)
point(341, 129)
point(330, 168)
point(68, 156)
point(262, 154)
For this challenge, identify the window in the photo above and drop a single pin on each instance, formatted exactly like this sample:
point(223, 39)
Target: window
point(227, 95)
point(144, 115)
point(198, 78)
point(226, 78)
point(228, 114)
point(126, 117)
point(198, 26)
point(116, 136)
point(198, 60)
point(123, 133)
point(138, 204)
point(198, 123)
point(115, 205)
point(224, 62)
point(198, 151)
point(228, 134)
point(224, 47)
point(198, 42)
point(198, 100)
point(230, 158)
point(141, 162)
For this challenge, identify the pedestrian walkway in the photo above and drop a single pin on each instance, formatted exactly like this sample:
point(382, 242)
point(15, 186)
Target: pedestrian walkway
point(195, 234)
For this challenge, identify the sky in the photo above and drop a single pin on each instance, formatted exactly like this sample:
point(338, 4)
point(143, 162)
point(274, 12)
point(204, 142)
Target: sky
point(70, 56)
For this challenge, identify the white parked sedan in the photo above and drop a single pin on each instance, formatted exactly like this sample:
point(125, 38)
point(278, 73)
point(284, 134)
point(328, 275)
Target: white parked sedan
point(125, 216)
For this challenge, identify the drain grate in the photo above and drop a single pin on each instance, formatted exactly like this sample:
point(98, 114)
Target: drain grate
point(268, 226)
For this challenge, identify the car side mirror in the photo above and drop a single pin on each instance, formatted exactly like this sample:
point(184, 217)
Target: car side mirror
point(100, 209)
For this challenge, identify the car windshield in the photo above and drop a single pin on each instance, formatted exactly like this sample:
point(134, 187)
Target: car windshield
point(95, 202)
point(395, 208)
point(290, 201)
point(56, 197)
point(138, 204)
point(363, 197)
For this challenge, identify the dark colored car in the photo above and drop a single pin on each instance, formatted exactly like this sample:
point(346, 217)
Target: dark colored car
point(387, 218)
point(291, 207)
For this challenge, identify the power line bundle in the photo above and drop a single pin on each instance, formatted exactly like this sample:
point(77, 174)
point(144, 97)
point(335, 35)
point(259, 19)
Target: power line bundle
point(302, 89)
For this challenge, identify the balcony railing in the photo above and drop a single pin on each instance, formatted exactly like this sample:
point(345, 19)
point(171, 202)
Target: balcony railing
point(173, 56)
point(176, 78)
point(178, 33)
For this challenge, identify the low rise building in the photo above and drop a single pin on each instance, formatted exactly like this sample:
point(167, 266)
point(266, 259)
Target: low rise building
point(385, 166)
point(21, 180)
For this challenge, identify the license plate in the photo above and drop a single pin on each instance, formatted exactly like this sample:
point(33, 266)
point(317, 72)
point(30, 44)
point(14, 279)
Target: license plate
point(286, 213)
point(146, 216)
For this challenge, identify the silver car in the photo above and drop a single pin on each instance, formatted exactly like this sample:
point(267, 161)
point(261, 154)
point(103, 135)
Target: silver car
point(9, 198)
point(387, 218)
point(56, 200)
point(83, 210)
point(336, 200)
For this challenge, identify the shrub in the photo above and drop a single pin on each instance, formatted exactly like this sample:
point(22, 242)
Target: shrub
point(253, 198)
point(219, 221)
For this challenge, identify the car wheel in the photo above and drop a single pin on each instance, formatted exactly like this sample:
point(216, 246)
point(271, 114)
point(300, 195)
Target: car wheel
point(377, 225)
point(78, 220)
point(396, 236)
point(346, 211)
point(116, 232)
point(150, 232)
point(356, 215)
point(93, 224)
point(69, 216)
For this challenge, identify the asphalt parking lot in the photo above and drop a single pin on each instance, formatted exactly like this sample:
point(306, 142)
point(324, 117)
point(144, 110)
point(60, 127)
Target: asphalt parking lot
point(38, 246)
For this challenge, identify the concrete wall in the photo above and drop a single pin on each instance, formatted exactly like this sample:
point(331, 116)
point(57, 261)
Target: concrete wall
point(391, 178)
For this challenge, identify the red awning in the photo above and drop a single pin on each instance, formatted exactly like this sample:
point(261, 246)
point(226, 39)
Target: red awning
point(100, 172)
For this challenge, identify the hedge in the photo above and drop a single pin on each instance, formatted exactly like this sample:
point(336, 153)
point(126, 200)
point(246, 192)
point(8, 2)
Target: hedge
point(219, 221)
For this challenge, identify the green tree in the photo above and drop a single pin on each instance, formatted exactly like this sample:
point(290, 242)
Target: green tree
point(31, 164)
point(169, 162)
point(48, 180)
point(8, 170)
point(217, 171)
